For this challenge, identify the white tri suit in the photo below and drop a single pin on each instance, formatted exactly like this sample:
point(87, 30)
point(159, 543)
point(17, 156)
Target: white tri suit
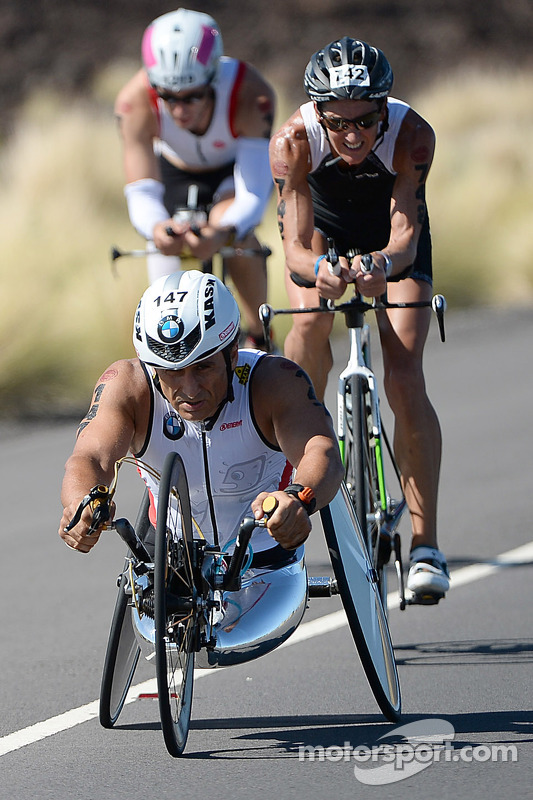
point(217, 147)
point(217, 162)
point(352, 206)
point(231, 462)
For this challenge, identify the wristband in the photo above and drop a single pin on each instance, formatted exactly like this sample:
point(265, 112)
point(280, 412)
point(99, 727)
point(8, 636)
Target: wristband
point(388, 263)
point(317, 263)
point(305, 495)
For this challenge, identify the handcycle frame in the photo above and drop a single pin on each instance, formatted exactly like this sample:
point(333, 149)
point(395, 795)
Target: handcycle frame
point(361, 434)
point(182, 589)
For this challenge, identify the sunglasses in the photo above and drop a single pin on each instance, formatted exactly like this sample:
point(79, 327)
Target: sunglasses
point(187, 99)
point(343, 123)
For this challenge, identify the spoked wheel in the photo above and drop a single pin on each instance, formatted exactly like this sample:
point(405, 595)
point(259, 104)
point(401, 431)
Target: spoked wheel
point(175, 607)
point(358, 588)
point(122, 652)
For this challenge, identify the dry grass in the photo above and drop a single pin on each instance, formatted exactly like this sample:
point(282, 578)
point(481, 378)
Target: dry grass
point(66, 316)
point(480, 191)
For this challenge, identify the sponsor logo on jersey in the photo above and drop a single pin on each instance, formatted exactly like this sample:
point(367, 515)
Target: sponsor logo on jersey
point(227, 425)
point(173, 427)
point(243, 373)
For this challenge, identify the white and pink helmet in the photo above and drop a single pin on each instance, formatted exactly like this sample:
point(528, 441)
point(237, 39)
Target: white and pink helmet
point(181, 50)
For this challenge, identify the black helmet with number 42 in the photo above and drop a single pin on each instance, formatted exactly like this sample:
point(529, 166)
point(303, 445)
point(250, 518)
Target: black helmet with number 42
point(348, 69)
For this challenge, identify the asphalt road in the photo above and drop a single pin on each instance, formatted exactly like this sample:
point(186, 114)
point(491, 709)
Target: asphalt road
point(466, 661)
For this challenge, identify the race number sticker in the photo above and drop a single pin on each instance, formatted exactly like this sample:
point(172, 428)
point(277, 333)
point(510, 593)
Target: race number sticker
point(348, 75)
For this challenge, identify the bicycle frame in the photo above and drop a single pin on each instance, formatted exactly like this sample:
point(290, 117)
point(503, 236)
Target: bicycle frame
point(358, 365)
point(387, 514)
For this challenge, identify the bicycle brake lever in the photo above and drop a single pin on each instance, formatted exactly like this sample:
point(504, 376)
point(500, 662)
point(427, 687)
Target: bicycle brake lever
point(367, 264)
point(332, 258)
point(266, 312)
point(439, 305)
point(99, 495)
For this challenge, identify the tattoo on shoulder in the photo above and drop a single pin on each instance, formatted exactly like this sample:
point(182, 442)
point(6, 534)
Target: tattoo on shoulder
point(93, 410)
point(311, 394)
point(420, 194)
point(281, 207)
point(108, 375)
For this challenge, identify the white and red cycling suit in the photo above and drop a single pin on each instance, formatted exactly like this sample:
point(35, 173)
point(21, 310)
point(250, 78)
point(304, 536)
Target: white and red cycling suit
point(232, 462)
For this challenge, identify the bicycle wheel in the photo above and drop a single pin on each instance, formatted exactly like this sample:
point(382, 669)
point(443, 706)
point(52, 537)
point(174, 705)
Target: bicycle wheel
point(122, 654)
point(361, 471)
point(362, 478)
point(175, 610)
point(360, 596)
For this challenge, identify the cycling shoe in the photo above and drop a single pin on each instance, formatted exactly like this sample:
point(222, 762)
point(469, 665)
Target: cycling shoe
point(428, 577)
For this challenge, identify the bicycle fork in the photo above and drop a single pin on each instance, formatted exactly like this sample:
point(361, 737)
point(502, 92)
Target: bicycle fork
point(387, 515)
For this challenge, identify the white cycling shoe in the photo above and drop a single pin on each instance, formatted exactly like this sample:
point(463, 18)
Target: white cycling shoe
point(428, 577)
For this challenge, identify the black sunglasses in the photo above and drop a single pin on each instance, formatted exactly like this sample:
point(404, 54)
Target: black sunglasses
point(343, 123)
point(187, 99)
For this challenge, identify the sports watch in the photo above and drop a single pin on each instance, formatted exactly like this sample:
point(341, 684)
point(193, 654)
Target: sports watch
point(305, 495)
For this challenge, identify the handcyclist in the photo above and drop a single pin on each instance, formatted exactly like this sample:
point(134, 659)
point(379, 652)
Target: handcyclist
point(192, 116)
point(351, 164)
point(246, 424)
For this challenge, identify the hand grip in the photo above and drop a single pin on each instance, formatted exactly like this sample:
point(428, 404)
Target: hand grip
point(269, 505)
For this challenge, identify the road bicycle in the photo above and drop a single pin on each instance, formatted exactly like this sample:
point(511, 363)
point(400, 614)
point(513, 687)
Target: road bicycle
point(363, 440)
point(188, 602)
point(195, 216)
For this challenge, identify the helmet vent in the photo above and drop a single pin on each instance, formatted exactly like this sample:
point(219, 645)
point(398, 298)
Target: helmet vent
point(175, 353)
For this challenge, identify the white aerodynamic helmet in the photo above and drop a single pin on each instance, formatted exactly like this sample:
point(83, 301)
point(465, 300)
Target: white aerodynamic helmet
point(183, 318)
point(181, 50)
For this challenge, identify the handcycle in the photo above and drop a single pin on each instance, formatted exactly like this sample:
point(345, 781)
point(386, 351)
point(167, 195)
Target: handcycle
point(185, 600)
point(363, 440)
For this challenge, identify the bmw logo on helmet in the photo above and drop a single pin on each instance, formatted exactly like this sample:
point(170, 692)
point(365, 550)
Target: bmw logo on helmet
point(170, 328)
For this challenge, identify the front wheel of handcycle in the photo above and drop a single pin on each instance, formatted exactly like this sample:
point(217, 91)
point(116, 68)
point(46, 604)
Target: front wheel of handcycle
point(359, 591)
point(175, 606)
point(122, 652)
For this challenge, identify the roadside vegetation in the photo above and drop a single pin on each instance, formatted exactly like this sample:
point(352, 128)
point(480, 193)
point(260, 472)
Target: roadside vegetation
point(66, 315)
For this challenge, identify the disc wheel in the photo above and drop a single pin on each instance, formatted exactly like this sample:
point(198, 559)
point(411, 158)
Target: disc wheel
point(359, 591)
point(175, 605)
point(122, 652)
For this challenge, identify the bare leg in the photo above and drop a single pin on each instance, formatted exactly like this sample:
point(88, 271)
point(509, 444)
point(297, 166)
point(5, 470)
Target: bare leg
point(249, 276)
point(417, 435)
point(248, 273)
point(159, 265)
point(307, 343)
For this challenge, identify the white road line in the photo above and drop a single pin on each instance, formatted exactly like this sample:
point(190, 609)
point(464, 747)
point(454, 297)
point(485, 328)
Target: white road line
point(307, 630)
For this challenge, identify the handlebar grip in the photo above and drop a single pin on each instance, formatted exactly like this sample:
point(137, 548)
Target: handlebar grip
point(269, 505)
